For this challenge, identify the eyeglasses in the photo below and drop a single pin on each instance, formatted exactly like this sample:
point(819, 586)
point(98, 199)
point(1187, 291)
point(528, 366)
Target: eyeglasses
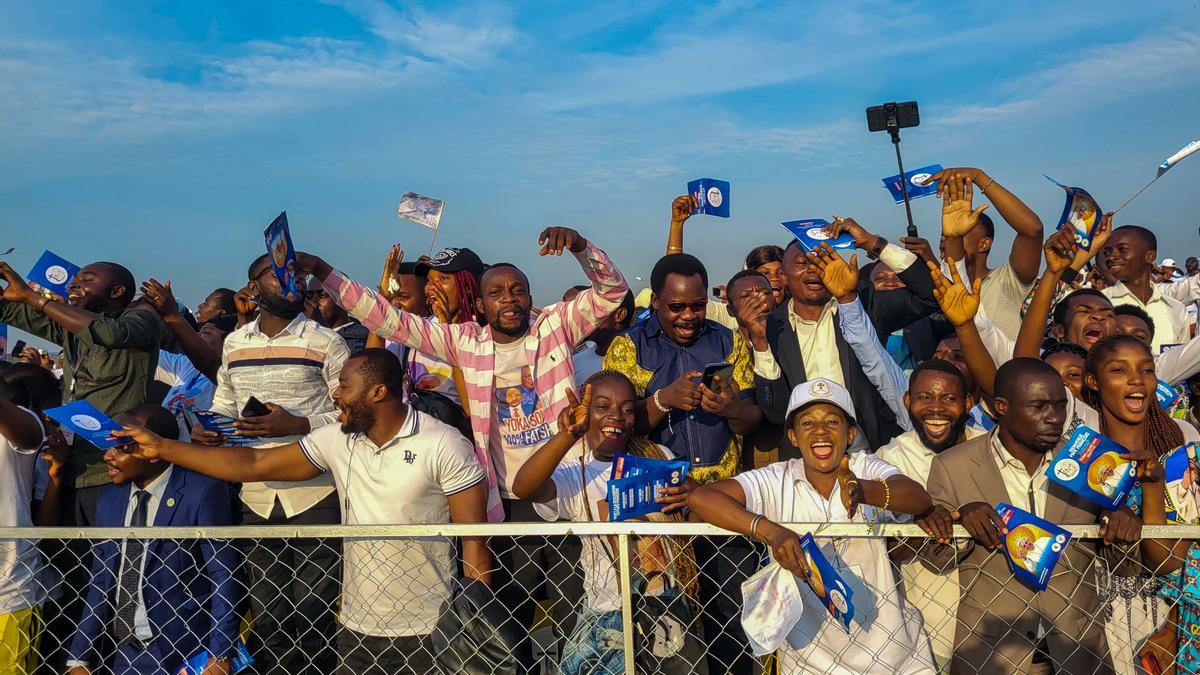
point(696, 307)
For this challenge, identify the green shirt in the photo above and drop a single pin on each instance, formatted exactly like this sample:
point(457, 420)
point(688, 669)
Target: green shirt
point(110, 364)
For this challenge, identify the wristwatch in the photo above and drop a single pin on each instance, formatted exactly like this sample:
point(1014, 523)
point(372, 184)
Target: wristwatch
point(875, 250)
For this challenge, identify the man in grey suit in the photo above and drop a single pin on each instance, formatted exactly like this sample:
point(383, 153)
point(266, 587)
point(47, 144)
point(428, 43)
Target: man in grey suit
point(1003, 625)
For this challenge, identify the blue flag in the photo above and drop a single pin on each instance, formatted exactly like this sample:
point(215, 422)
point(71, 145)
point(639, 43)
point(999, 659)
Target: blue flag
point(85, 420)
point(282, 253)
point(811, 234)
point(1081, 213)
point(1032, 545)
point(712, 196)
point(53, 272)
point(919, 184)
point(1090, 465)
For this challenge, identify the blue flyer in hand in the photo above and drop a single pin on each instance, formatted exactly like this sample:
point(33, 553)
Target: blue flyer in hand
point(283, 254)
point(1090, 465)
point(919, 184)
point(1182, 485)
point(241, 661)
point(634, 496)
point(84, 420)
point(626, 465)
point(835, 594)
point(223, 425)
point(53, 272)
point(1081, 213)
point(712, 196)
point(1166, 394)
point(1032, 545)
point(811, 234)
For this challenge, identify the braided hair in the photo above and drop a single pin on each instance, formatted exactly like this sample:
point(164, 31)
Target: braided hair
point(467, 287)
point(1160, 433)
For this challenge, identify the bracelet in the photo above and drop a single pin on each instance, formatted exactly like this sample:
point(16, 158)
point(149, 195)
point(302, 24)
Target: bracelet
point(658, 404)
point(887, 495)
point(42, 307)
point(985, 187)
point(754, 526)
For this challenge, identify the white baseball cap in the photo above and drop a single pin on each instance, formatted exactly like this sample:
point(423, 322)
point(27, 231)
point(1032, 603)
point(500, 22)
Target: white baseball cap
point(820, 390)
point(1169, 262)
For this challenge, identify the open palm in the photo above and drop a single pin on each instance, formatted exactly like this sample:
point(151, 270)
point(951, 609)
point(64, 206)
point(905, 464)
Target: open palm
point(839, 277)
point(956, 299)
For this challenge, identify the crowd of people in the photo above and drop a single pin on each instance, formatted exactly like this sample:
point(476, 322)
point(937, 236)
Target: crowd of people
point(928, 386)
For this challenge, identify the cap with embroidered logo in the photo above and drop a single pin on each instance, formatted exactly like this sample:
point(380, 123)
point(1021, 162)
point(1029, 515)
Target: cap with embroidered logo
point(820, 390)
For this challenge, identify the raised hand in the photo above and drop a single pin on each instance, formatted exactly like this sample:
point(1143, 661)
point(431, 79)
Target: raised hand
point(146, 444)
point(956, 188)
point(681, 208)
point(438, 301)
point(15, 287)
point(1060, 250)
point(840, 278)
point(554, 239)
point(160, 297)
point(751, 311)
point(575, 419)
point(851, 489)
point(391, 269)
point(958, 304)
point(245, 302)
point(862, 238)
point(920, 247)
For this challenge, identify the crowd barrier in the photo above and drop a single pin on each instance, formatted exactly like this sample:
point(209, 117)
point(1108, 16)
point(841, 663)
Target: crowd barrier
point(542, 601)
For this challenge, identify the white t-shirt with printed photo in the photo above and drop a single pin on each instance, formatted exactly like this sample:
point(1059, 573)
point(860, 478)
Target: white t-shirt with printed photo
point(519, 422)
point(885, 635)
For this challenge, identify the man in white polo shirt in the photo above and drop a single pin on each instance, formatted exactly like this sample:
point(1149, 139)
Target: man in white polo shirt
point(391, 465)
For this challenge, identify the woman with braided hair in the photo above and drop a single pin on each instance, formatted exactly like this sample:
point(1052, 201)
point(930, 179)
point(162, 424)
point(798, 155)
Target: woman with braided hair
point(1119, 382)
point(593, 431)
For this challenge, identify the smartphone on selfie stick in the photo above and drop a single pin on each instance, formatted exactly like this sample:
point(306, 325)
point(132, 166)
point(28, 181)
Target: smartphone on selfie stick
point(892, 117)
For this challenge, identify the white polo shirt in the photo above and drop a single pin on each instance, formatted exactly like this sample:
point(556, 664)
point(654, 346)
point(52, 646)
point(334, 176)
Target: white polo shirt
point(886, 635)
point(1169, 315)
point(20, 561)
point(396, 587)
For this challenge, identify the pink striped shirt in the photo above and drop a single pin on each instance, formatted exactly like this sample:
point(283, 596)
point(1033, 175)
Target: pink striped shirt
point(548, 347)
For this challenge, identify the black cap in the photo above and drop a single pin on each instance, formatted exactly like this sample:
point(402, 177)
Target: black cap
point(452, 260)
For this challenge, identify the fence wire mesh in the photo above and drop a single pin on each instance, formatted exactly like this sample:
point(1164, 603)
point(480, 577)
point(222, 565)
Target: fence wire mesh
point(575, 598)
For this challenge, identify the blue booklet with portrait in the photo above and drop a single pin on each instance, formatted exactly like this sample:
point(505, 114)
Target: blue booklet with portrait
point(212, 421)
point(85, 420)
point(919, 184)
point(1081, 213)
point(1090, 465)
point(811, 234)
point(833, 591)
point(712, 196)
point(282, 253)
point(636, 482)
point(241, 660)
point(1182, 482)
point(1166, 394)
point(53, 272)
point(1032, 545)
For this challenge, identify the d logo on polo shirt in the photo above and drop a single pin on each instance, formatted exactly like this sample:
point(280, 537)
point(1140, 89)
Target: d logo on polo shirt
point(821, 389)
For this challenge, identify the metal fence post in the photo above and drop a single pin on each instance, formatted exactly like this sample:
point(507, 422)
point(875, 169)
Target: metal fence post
point(626, 602)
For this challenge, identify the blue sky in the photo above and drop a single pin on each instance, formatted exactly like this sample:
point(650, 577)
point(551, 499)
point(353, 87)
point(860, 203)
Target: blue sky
point(167, 135)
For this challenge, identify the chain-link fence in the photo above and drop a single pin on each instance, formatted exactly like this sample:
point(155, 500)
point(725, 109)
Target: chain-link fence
point(581, 598)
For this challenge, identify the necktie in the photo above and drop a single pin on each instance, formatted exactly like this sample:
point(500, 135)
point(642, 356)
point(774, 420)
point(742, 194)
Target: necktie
point(131, 573)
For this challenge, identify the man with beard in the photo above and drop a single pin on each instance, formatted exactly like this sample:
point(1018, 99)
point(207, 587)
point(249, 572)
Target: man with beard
point(937, 401)
point(290, 364)
point(1004, 625)
point(509, 352)
point(110, 350)
point(665, 358)
point(391, 465)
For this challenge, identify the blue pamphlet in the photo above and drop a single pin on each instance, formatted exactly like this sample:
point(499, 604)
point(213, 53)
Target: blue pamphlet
point(1090, 465)
point(241, 661)
point(223, 425)
point(1032, 545)
point(634, 496)
point(811, 234)
point(1182, 485)
point(834, 593)
point(85, 420)
point(1080, 213)
point(919, 184)
point(53, 272)
point(626, 465)
point(282, 253)
point(1166, 394)
point(711, 195)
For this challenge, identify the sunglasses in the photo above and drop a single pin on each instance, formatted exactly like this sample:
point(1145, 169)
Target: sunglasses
point(696, 307)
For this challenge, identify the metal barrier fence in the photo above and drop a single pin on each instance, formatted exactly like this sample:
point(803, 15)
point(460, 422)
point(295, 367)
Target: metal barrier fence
point(669, 599)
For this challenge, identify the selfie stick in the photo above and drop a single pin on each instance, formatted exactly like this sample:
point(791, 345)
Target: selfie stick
point(894, 130)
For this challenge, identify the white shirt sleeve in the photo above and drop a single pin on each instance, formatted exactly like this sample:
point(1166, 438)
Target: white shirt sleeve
point(765, 365)
point(871, 467)
point(1176, 364)
point(568, 483)
point(763, 488)
point(317, 443)
point(998, 345)
point(457, 466)
point(1185, 290)
point(897, 258)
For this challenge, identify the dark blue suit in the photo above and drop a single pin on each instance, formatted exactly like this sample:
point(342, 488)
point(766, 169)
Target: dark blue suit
point(189, 587)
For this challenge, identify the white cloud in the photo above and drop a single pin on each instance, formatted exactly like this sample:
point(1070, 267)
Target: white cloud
point(468, 38)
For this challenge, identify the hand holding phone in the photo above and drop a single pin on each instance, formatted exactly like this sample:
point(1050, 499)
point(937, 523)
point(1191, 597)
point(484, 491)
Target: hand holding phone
point(723, 370)
point(255, 408)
